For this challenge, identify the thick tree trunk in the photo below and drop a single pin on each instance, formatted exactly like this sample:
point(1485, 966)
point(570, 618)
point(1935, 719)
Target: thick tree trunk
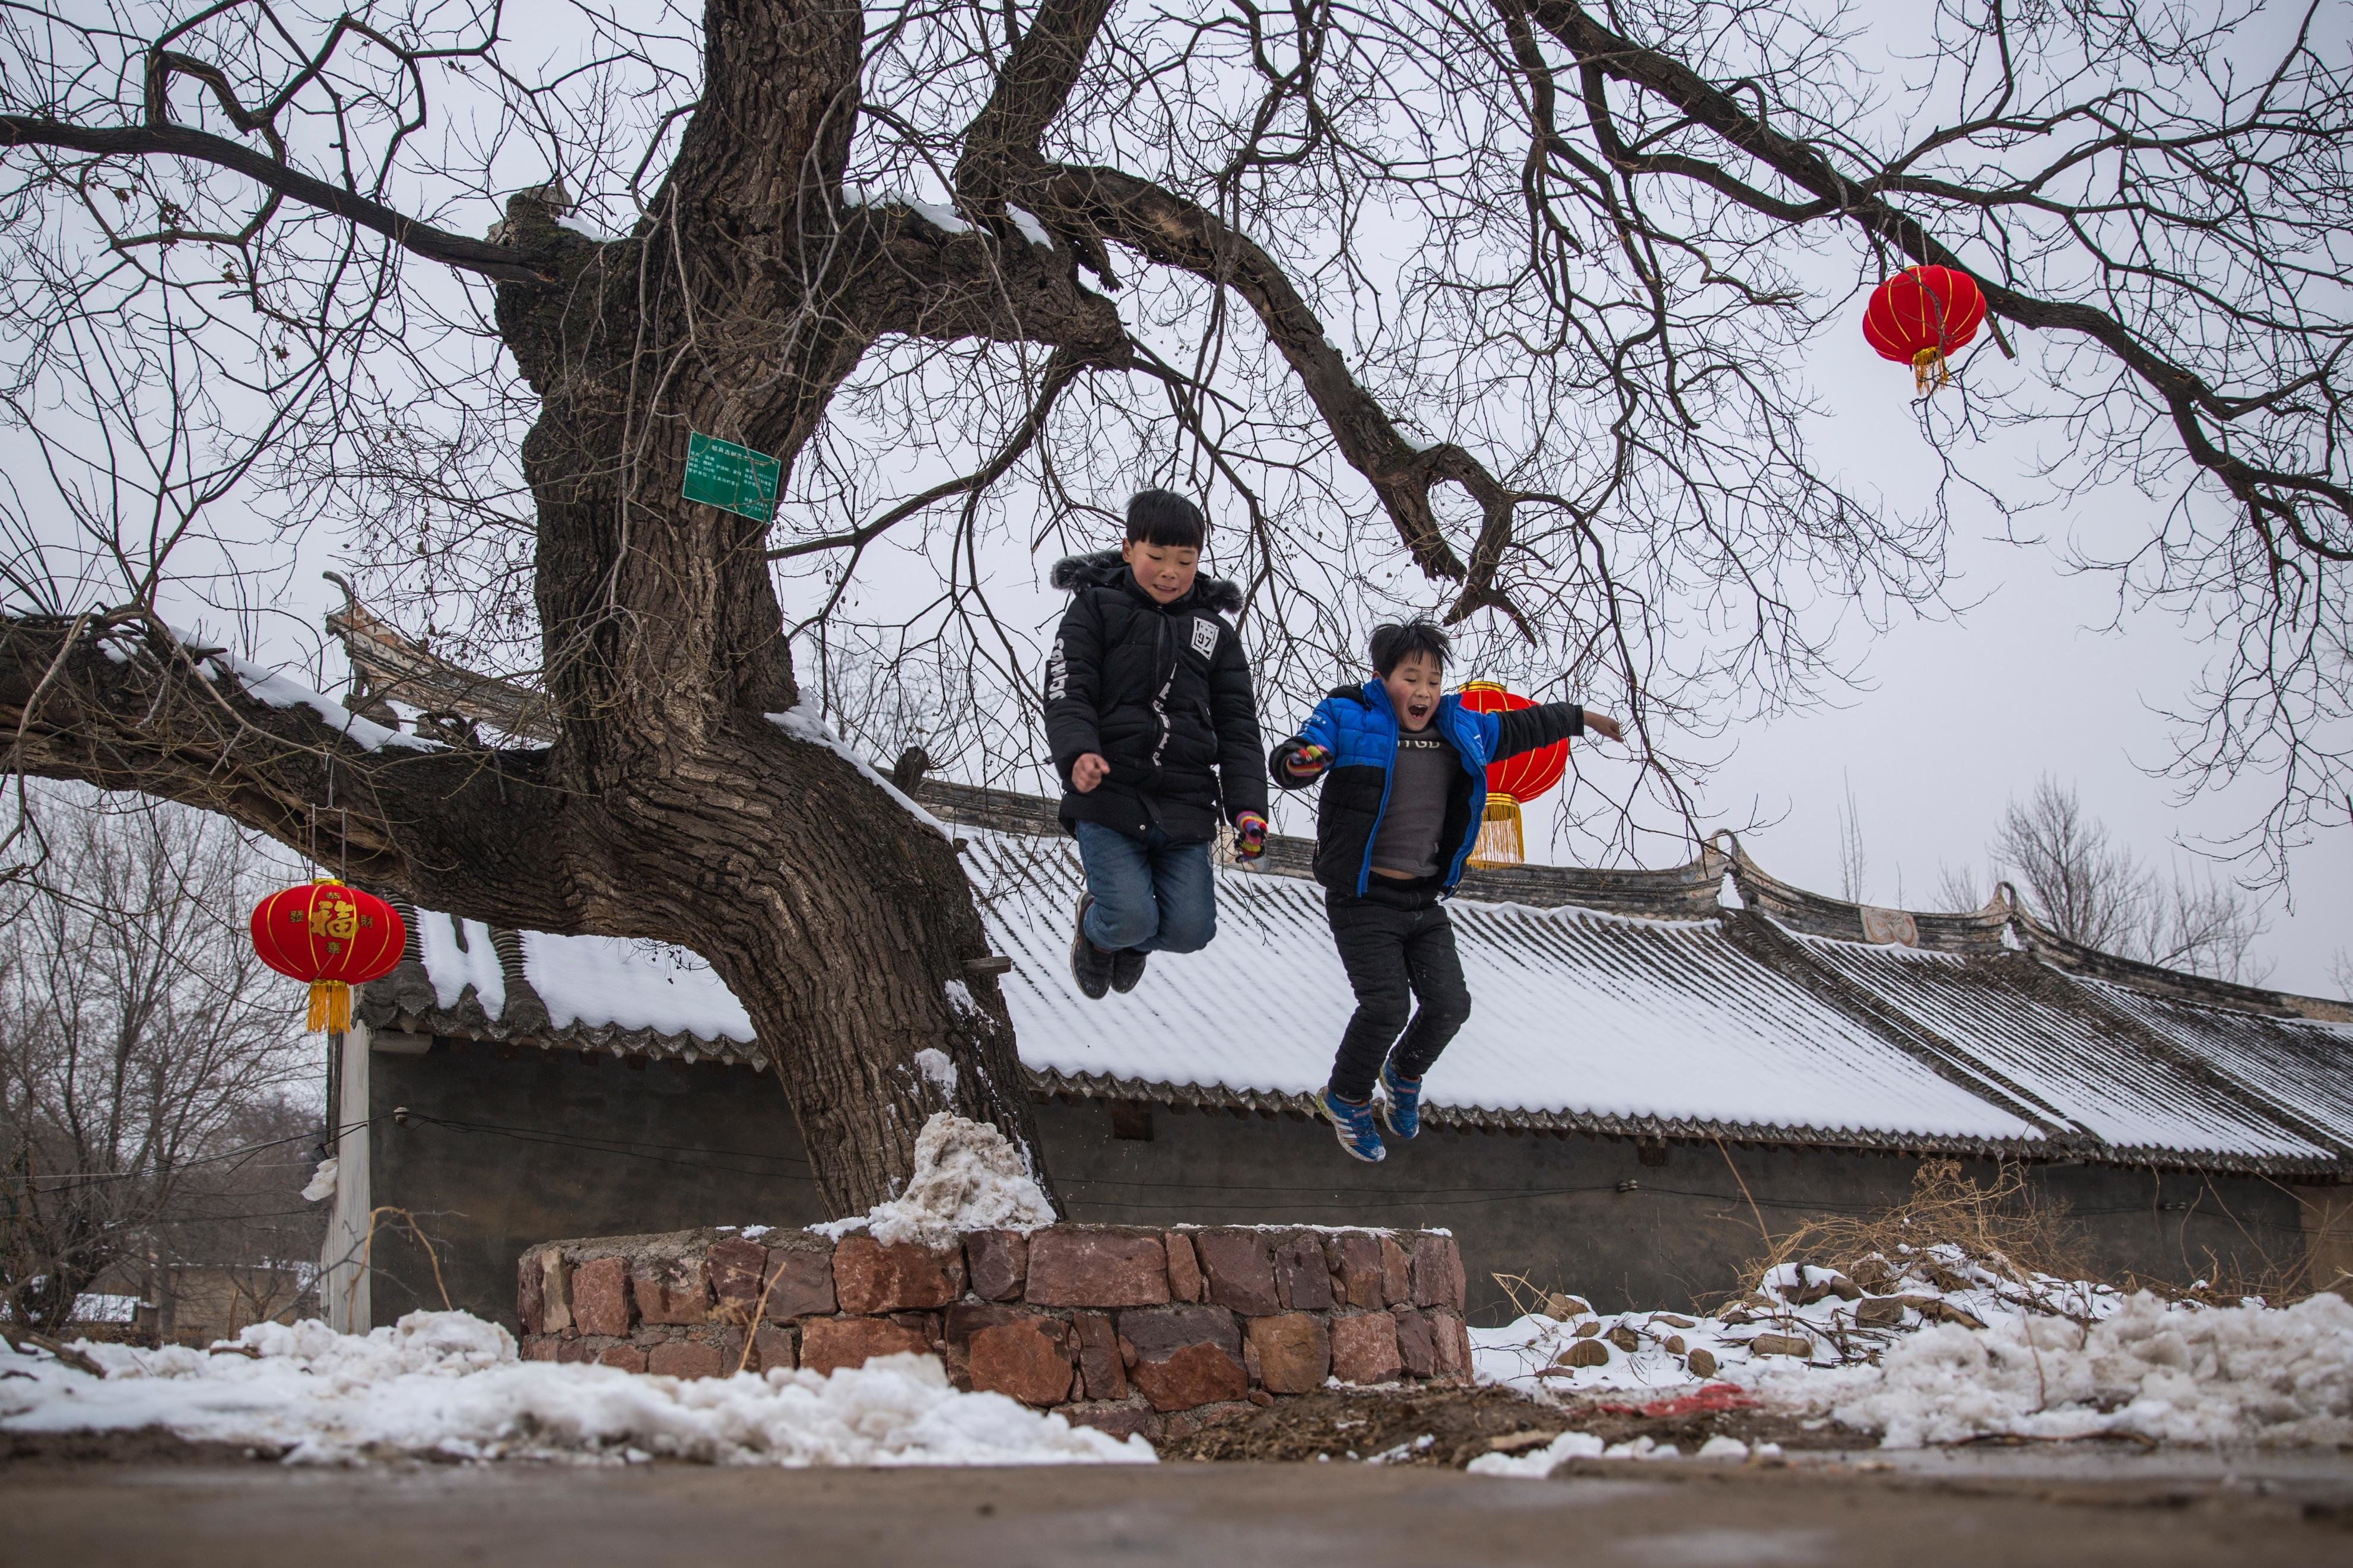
point(839, 918)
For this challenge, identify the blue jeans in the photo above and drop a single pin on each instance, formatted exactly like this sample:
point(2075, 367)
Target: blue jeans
point(1154, 894)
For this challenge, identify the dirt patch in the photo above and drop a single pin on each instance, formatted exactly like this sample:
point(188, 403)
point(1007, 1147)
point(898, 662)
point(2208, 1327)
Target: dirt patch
point(1357, 1424)
point(1452, 1427)
point(144, 1445)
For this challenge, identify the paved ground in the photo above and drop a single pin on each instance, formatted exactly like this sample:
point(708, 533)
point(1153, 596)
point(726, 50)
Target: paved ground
point(1987, 1512)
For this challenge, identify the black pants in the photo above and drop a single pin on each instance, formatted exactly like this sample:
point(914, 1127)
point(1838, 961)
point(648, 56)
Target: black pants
point(1398, 949)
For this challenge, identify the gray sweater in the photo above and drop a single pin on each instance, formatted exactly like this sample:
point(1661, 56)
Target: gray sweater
point(1425, 766)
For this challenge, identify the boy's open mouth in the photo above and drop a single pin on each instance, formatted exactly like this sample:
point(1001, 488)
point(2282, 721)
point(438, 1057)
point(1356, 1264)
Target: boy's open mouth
point(1417, 710)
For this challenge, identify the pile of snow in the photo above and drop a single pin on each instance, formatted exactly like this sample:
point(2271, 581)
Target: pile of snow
point(967, 1177)
point(2224, 1374)
point(1539, 1463)
point(1800, 1315)
point(1954, 1350)
point(449, 1384)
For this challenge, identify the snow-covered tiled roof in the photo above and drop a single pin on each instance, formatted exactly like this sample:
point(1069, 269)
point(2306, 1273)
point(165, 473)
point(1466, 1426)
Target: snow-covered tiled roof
point(1626, 1002)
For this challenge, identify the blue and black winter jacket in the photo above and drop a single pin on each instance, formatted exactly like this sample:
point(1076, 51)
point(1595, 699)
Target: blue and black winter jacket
point(1358, 726)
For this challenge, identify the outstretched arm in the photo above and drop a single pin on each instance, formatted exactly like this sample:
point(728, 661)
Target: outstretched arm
point(1299, 761)
point(1533, 729)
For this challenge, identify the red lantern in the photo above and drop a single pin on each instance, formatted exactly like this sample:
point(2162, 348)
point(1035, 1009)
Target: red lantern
point(1922, 315)
point(334, 937)
point(1511, 782)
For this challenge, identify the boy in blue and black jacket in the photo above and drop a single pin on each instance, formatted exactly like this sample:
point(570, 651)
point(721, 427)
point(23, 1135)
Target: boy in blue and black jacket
point(1406, 792)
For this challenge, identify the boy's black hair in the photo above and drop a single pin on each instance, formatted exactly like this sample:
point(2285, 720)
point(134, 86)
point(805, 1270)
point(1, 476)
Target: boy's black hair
point(1166, 519)
point(1400, 640)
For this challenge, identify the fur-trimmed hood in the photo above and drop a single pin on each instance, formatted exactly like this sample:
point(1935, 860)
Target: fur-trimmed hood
point(1104, 569)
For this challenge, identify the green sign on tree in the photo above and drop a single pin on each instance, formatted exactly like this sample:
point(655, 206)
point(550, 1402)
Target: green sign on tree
point(722, 474)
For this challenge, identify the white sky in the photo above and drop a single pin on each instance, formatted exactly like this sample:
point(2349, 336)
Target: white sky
point(1960, 715)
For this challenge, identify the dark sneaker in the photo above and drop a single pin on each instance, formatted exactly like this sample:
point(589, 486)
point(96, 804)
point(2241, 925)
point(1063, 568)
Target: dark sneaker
point(1352, 1120)
point(1126, 969)
point(1091, 966)
point(1400, 1102)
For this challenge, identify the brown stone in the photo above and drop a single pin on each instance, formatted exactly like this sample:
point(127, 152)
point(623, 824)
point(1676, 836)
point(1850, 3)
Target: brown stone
point(671, 1290)
point(542, 1347)
point(1625, 1339)
point(1831, 1283)
point(1238, 1269)
point(1453, 1344)
point(1073, 1267)
point(771, 1349)
point(628, 1358)
point(575, 1351)
point(829, 1344)
point(1129, 1418)
point(686, 1358)
point(1260, 1397)
point(1674, 1345)
point(996, 1261)
point(803, 1283)
point(1364, 1348)
point(600, 1296)
point(966, 1319)
point(1184, 1267)
point(1438, 1273)
point(871, 1278)
point(1303, 1279)
point(1583, 1353)
point(1396, 1273)
point(1417, 1346)
point(1880, 1312)
point(1156, 1332)
point(1360, 1267)
point(1587, 1329)
point(1781, 1344)
point(1099, 1357)
point(1019, 1360)
point(1295, 1353)
point(1193, 1375)
point(554, 1291)
point(1701, 1362)
point(530, 1294)
point(738, 1272)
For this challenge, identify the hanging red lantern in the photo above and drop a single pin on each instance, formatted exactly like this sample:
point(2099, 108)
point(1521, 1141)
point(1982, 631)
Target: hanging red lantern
point(1921, 316)
point(333, 936)
point(1512, 781)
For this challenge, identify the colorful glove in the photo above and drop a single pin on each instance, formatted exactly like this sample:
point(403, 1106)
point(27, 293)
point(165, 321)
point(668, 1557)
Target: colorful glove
point(1307, 761)
point(1249, 836)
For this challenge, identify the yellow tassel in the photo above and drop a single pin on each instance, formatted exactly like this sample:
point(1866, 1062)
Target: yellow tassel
point(1928, 372)
point(1500, 843)
point(331, 1008)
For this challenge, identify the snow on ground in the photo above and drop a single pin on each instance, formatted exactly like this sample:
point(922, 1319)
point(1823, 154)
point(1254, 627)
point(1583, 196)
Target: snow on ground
point(1954, 1350)
point(450, 1384)
point(967, 1177)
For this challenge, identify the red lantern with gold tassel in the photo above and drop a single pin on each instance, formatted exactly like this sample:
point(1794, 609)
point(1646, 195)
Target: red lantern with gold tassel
point(333, 936)
point(1920, 317)
point(1512, 781)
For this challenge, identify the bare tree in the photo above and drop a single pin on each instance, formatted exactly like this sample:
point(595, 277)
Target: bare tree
point(1499, 310)
point(141, 1044)
point(2090, 888)
point(1854, 863)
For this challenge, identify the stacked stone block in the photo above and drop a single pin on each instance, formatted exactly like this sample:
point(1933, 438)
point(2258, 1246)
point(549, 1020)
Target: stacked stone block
point(1124, 1328)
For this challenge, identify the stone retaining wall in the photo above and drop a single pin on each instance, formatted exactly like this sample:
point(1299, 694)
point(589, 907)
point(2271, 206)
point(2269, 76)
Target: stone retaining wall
point(1124, 1328)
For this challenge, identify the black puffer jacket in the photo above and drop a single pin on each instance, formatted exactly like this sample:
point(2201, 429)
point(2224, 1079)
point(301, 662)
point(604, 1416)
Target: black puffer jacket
point(1163, 693)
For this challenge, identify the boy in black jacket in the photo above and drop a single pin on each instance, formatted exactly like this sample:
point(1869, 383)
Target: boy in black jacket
point(1401, 809)
point(1154, 728)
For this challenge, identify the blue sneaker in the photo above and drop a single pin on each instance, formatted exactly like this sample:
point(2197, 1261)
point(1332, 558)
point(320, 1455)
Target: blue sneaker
point(1351, 1121)
point(1400, 1102)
